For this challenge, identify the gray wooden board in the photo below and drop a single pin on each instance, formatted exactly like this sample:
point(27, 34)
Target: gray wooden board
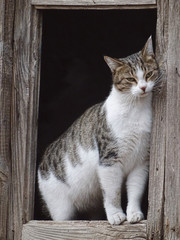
point(6, 72)
point(94, 4)
point(172, 164)
point(91, 2)
point(20, 28)
point(164, 181)
point(71, 230)
point(24, 113)
point(158, 140)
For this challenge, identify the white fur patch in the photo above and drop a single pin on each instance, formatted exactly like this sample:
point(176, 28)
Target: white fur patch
point(81, 190)
point(129, 123)
point(56, 195)
point(140, 74)
point(83, 178)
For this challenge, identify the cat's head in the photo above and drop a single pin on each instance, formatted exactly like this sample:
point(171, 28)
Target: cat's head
point(137, 73)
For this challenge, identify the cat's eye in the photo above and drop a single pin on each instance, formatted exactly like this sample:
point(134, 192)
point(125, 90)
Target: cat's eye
point(149, 74)
point(131, 79)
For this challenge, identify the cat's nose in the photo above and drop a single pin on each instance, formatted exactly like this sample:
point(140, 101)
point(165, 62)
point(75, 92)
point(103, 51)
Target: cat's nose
point(143, 88)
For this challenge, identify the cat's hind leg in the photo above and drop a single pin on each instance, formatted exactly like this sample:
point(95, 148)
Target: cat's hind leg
point(55, 193)
point(136, 182)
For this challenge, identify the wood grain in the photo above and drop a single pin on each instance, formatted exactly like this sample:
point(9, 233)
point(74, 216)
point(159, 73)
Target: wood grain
point(90, 2)
point(20, 42)
point(96, 4)
point(164, 203)
point(36, 230)
point(6, 66)
point(24, 108)
point(158, 141)
point(172, 165)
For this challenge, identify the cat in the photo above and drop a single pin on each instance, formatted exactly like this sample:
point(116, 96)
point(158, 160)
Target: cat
point(85, 167)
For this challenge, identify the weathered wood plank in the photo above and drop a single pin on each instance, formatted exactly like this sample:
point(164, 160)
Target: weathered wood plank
point(97, 4)
point(6, 52)
point(164, 204)
point(158, 141)
point(103, 7)
point(25, 94)
point(33, 110)
point(36, 230)
point(172, 166)
point(20, 101)
point(90, 2)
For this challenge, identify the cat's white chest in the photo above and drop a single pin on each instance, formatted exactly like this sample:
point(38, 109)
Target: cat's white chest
point(131, 127)
point(124, 119)
point(133, 121)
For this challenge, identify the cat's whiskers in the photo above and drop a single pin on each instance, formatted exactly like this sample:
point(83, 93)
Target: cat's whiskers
point(158, 82)
point(159, 79)
point(130, 99)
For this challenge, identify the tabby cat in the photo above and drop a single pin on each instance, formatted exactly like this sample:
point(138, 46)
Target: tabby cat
point(85, 167)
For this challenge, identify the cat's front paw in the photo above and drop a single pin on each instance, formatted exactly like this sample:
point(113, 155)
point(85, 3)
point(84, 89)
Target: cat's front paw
point(135, 217)
point(116, 218)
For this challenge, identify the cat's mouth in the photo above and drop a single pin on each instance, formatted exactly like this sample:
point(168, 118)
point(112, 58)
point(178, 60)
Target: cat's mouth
point(144, 94)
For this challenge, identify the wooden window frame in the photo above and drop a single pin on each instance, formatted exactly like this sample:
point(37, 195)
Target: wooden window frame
point(20, 34)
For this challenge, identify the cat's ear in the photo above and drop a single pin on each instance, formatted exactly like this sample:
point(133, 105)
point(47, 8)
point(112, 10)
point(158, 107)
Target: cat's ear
point(147, 51)
point(113, 63)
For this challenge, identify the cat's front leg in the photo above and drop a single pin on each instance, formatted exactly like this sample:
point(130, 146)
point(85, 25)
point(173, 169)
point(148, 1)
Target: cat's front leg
point(111, 178)
point(136, 182)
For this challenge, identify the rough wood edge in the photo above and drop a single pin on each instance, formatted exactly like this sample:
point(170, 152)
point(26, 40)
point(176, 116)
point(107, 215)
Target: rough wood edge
point(105, 7)
point(24, 114)
point(172, 164)
point(6, 72)
point(90, 4)
point(37, 230)
point(158, 141)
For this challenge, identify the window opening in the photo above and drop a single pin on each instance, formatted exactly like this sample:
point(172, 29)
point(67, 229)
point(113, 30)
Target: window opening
point(74, 75)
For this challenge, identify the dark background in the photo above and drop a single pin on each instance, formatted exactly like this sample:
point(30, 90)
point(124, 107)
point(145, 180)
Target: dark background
point(74, 74)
